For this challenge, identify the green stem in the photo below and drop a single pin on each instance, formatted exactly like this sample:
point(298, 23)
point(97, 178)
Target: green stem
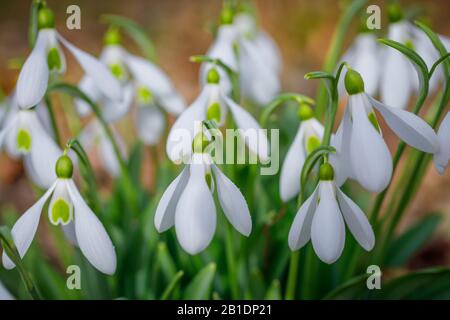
point(231, 263)
point(292, 275)
point(13, 254)
point(335, 49)
point(53, 121)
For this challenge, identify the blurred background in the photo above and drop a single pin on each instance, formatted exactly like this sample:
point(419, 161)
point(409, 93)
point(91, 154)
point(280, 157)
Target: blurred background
point(179, 29)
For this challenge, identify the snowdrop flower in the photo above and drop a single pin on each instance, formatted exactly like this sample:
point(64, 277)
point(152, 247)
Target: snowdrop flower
point(398, 78)
point(24, 136)
point(223, 48)
point(259, 61)
point(309, 136)
point(323, 216)
point(443, 155)
point(364, 55)
point(362, 154)
point(142, 82)
point(68, 209)
point(188, 203)
point(212, 104)
point(93, 137)
point(48, 57)
point(4, 293)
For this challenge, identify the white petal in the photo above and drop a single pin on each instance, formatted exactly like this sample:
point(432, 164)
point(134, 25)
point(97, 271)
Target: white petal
point(44, 153)
point(443, 155)
point(87, 86)
point(5, 294)
point(292, 166)
point(341, 141)
point(408, 127)
point(300, 231)
point(25, 228)
point(165, 212)
point(114, 110)
point(370, 157)
point(92, 238)
point(103, 78)
point(255, 138)
point(328, 228)
point(33, 78)
point(269, 50)
point(153, 77)
point(233, 203)
point(366, 62)
point(179, 141)
point(108, 154)
point(150, 124)
point(69, 233)
point(356, 221)
point(195, 215)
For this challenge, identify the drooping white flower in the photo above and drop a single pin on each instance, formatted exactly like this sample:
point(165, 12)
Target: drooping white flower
point(68, 209)
point(323, 216)
point(309, 136)
point(442, 157)
point(24, 136)
point(4, 293)
point(245, 48)
point(47, 56)
point(212, 104)
point(143, 82)
point(188, 204)
point(399, 80)
point(259, 61)
point(362, 152)
point(93, 137)
point(364, 55)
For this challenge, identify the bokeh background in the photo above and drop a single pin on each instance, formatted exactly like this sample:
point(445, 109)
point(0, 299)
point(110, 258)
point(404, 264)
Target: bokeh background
point(181, 28)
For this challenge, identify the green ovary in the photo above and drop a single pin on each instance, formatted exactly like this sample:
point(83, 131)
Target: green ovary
point(60, 212)
point(23, 140)
point(312, 143)
point(54, 59)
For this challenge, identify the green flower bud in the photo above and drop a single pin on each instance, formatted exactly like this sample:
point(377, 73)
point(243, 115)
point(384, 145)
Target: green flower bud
point(213, 112)
point(112, 37)
point(226, 16)
point(305, 112)
point(46, 18)
point(395, 13)
point(64, 167)
point(213, 76)
point(326, 172)
point(199, 143)
point(354, 84)
point(54, 59)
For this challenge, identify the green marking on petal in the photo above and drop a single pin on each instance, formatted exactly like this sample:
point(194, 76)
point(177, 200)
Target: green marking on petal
point(312, 143)
point(213, 112)
point(54, 59)
point(373, 120)
point(117, 70)
point(60, 212)
point(209, 180)
point(144, 95)
point(23, 140)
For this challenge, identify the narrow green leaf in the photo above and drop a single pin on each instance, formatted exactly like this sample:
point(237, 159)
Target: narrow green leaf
point(200, 286)
point(135, 31)
point(402, 248)
point(350, 289)
point(166, 262)
point(33, 23)
point(172, 285)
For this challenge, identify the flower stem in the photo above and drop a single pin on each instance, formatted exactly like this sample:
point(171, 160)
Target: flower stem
point(53, 121)
point(11, 250)
point(231, 263)
point(335, 49)
point(292, 276)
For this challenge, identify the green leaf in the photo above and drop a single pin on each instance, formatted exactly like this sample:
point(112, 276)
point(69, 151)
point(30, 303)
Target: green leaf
point(402, 248)
point(274, 291)
point(350, 289)
point(135, 32)
point(200, 286)
point(172, 285)
point(319, 75)
point(165, 261)
point(425, 284)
